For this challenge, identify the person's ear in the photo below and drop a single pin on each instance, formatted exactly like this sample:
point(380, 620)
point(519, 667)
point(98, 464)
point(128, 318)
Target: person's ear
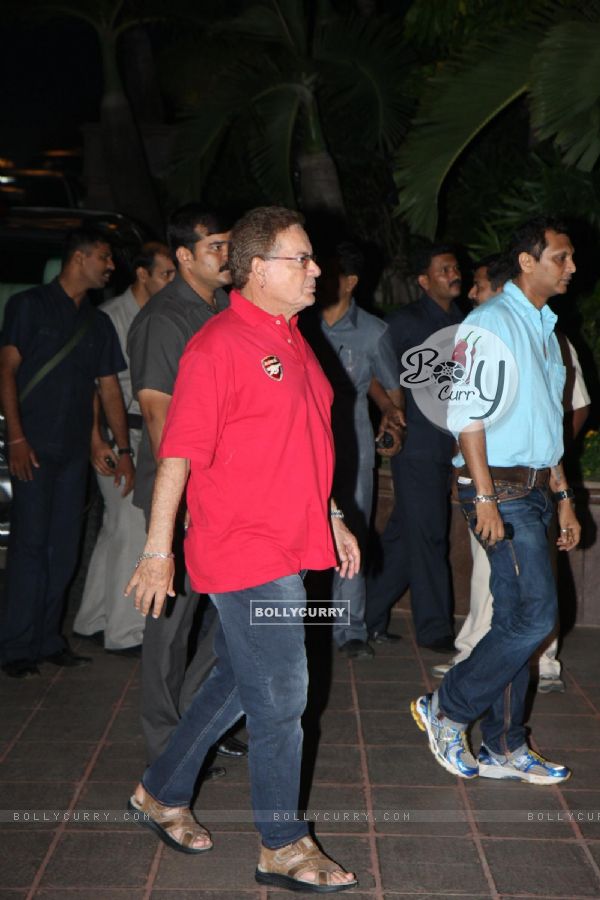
point(184, 256)
point(526, 261)
point(259, 270)
point(423, 282)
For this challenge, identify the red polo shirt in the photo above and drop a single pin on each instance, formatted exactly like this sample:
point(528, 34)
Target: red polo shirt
point(251, 411)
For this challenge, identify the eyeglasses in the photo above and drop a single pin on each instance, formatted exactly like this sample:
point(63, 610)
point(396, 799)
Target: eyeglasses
point(303, 258)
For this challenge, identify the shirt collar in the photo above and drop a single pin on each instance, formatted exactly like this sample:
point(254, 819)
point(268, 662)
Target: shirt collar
point(453, 316)
point(350, 316)
point(253, 314)
point(525, 307)
point(60, 293)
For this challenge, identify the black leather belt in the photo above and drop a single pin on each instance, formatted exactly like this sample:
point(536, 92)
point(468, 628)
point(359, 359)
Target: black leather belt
point(135, 421)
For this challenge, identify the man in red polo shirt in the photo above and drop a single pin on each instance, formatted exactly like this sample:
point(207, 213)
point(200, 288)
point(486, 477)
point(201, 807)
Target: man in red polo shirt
point(249, 424)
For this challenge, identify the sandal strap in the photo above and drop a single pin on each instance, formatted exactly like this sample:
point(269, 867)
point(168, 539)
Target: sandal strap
point(168, 821)
point(297, 859)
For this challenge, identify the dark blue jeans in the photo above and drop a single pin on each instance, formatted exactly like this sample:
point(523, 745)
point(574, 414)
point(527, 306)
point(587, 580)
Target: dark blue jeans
point(260, 672)
point(46, 522)
point(495, 677)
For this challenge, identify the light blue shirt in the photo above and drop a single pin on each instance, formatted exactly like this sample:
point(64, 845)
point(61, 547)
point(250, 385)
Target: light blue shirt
point(530, 432)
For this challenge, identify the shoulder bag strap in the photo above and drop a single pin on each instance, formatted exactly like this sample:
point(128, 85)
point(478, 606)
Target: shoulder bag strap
point(57, 358)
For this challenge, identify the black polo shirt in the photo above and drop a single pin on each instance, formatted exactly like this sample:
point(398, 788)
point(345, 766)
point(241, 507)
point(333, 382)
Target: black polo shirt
point(409, 327)
point(57, 414)
point(155, 343)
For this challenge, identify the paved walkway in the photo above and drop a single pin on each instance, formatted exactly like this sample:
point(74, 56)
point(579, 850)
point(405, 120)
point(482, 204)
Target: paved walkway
point(71, 742)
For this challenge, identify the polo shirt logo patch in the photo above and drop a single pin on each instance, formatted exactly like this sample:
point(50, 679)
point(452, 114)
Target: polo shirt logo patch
point(272, 366)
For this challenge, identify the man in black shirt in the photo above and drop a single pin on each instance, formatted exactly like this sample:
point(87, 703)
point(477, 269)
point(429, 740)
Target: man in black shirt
point(49, 422)
point(414, 544)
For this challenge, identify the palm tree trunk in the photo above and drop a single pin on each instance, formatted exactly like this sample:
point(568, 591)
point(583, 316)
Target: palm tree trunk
point(126, 165)
point(320, 187)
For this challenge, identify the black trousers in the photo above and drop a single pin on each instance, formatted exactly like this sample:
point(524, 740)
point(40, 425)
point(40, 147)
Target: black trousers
point(46, 523)
point(414, 551)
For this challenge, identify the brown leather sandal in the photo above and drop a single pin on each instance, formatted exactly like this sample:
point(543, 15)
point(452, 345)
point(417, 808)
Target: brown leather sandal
point(284, 867)
point(162, 820)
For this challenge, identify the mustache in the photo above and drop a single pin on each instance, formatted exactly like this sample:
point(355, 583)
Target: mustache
point(224, 267)
point(457, 281)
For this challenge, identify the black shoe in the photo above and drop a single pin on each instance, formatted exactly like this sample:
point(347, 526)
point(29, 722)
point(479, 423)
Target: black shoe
point(67, 659)
point(96, 638)
point(134, 651)
point(442, 645)
point(355, 649)
point(232, 747)
point(214, 772)
point(384, 637)
point(20, 668)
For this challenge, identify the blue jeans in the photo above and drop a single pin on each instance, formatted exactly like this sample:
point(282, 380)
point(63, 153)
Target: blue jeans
point(261, 672)
point(495, 677)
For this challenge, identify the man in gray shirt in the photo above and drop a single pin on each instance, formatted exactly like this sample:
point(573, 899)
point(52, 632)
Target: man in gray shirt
point(199, 242)
point(357, 355)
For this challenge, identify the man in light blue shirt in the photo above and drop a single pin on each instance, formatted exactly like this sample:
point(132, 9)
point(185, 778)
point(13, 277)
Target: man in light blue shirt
point(510, 470)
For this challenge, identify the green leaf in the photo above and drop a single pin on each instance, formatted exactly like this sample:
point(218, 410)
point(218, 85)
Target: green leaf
point(565, 91)
point(460, 103)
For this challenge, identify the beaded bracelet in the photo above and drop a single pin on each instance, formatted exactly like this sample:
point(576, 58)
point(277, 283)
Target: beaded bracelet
point(336, 514)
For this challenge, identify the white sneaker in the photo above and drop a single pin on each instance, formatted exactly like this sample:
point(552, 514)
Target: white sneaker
point(550, 684)
point(440, 670)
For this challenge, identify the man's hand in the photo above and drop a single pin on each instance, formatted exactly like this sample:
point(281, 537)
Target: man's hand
point(153, 582)
point(393, 421)
point(99, 453)
point(489, 526)
point(125, 473)
point(570, 529)
point(347, 549)
point(22, 460)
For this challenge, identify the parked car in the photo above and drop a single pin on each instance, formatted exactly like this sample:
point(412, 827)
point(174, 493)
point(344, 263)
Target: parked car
point(31, 240)
point(39, 187)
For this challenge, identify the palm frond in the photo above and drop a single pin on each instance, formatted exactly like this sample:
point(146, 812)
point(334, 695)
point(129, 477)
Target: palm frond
point(460, 103)
point(270, 143)
point(565, 92)
point(271, 21)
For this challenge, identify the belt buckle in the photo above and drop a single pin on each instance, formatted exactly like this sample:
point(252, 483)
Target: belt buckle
point(531, 478)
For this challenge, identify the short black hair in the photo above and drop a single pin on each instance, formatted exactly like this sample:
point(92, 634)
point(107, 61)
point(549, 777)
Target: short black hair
point(145, 258)
point(350, 258)
point(183, 222)
point(425, 253)
point(497, 269)
point(83, 239)
point(531, 238)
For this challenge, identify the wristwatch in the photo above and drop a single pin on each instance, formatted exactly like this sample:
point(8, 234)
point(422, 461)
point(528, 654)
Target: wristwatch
point(121, 451)
point(567, 494)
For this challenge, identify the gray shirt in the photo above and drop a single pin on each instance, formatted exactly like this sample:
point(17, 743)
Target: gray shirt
point(357, 348)
point(155, 344)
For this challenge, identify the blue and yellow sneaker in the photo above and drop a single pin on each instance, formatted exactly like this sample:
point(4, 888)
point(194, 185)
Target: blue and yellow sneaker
point(521, 765)
point(447, 743)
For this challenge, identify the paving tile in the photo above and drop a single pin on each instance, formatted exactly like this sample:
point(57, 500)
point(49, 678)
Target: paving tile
point(338, 764)
point(56, 761)
point(516, 809)
point(125, 757)
point(567, 731)
point(230, 866)
point(403, 766)
point(222, 796)
point(127, 726)
point(338, 809)
point(100, 893)
point(84, 859)
point(23, 850)
point(443, 865)
point(395, 726)
point(569, 703)
point(103, 796)
point(392, 697)
point(338, 727)
point(22, 797)
point(13, 720)
point(584, 807)
point(436, 810)
point(209, 895)
point(340, 695)
point(76, 723)
point(541, 868)
point(390, 668)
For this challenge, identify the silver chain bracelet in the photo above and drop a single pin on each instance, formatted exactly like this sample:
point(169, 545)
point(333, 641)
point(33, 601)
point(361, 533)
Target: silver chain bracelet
point(143, 556)
point(485, 498)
